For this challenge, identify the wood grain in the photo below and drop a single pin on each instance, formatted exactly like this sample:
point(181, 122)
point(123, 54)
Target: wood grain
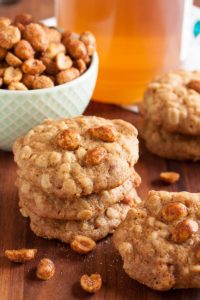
point(18, 282)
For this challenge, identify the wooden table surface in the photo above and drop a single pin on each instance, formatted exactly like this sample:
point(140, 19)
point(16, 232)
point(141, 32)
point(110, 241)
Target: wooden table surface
point(18, 282)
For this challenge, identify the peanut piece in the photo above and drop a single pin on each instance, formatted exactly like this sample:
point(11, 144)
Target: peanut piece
point(76, 49)
point(17, 86)
point(53, 50)
point(42, 82)
point(13, 60)
point(21, 255)
point(9, 36)
point(63, 62)
point(95, 156)
point(174, 211)
point(90, 42)
point(67, 75)
point(194, 85)
point(33, 66)
point(104, 133)
point(24, 50)
point(82, 244)
point(12, 75)
point(169, 177)
point(68, 139)
point(36, 36)
point(184, 230)
point(45, 269)
point(92, 283)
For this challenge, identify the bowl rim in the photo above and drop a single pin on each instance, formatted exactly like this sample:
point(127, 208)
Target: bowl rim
point(82, 77)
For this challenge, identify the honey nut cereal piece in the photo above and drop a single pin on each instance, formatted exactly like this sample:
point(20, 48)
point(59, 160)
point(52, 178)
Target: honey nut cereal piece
point(45, 269)
point(80, 65)
point(36, 36)
point(41, 82)
point(21, 255)
point(104, 133)
point(76, 48)
point(82, 244)
point(50, 65)
point(169, 177)
point(28, 80)
point(12, 75)
point(54, 49)
point(90, 42)
point(194, 85)
point(92, 283)
point(3, 53)
point(33, 66)
point(184, 230)
point(4, 22)
point(24, 19)
point(17, 86)
point(24, 50)
point(13, 60)
point(66, 37)
point(63, 62)
point(67, 75)
point(174, 211)
point(9, 36)
point(68, 139)
point(95, 156)
point(53, 35)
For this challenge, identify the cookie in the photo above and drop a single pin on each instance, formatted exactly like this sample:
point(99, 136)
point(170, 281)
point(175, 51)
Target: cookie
point(170, 145)
point(160, 241)
point(77, 156)
point(96, 228)
point(172, 101)
point(83, 208)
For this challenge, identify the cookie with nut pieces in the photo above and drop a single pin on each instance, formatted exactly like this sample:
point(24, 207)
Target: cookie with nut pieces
point(160, 241)
point(77, 156)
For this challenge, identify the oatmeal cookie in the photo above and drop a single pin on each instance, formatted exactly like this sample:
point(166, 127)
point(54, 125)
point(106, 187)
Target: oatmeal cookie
point(160, 241)
point(65, 231)
point(77, 156)
point(170, 145)
point(172, 101)
point(83, 208)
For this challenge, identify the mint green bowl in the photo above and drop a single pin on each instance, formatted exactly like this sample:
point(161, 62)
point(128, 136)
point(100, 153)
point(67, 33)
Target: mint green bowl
point(22, 110)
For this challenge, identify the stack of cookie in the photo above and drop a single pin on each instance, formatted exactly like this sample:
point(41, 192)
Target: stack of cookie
point(76, 176)
point(171, 110)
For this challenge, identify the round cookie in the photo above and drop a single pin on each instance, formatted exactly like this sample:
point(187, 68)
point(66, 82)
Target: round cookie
point(83, 208)
point(170, 145)
point(172, 101)
point(77, 156)
point(160, 241)
point(65, 231)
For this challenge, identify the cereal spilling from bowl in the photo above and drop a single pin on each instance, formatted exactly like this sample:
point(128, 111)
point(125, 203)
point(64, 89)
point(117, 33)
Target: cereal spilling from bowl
point(34, 56)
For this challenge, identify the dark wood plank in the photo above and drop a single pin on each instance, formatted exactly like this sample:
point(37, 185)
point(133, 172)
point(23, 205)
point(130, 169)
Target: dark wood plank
point(18, 282)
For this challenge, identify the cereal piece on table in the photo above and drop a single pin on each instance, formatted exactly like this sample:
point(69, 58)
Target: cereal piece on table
point(13, 60)
point(28, 80)
point(194, 85)
point(53, 50)
point(21, 255)
point(41, 82)
point(169, 177)
point(95, 156)
point(67, 75)
point(76, 49)
point(33, 66)
point(45, 269)
point(4, 22)
point(24, 50)
point(92, 283)
point(68, 139)
point(90, 42)
point(17, 86)
point(80, 65)
point(12, 75)
point(9, 36)
point(63, 62)
point(82, 244)
point(36, 36)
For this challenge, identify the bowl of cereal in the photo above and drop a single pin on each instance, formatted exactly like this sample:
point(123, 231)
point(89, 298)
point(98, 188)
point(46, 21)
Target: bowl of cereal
point(43, 74)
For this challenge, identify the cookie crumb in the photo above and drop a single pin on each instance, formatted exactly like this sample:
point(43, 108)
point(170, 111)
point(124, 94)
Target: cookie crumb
point(169, 177)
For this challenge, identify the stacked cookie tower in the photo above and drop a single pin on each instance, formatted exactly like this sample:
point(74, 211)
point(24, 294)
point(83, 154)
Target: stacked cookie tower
point(76, 176)
point(171, 110)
